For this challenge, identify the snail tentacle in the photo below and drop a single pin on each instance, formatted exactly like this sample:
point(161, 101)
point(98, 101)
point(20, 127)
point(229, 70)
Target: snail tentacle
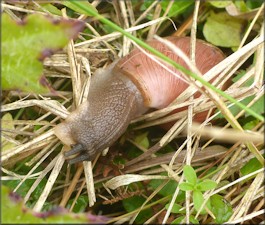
point(75, 149)
point(85, 156)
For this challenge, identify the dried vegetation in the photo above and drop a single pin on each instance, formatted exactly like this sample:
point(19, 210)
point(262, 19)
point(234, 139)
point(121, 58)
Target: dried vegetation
point(224, 149)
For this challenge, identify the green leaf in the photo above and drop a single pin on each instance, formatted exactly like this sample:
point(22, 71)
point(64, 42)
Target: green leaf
point(206, 185)
point(176, 208)
point(219, 4)
point(258, 106)
point(168, 189)
point(198, 200)
point(190, 174)
point(241, 6)
point(185, 186)
point(7, 124)
point(142, 140)
point(250, 124)
point(26, 44)
point(223, 30)
point(177, 7)
point(251, 166)
point(80, 204)
point(241, 74)
point(24, 188)
point(77, 9)
point(254, 4)
point(193, 220)
point(135, 202)
point(16, 213)
point(178, 220)
point(52, 9)
point(221, 209)
point(181, 218)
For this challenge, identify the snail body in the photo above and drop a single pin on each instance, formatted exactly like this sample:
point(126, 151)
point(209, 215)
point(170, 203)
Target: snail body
point(124, 90)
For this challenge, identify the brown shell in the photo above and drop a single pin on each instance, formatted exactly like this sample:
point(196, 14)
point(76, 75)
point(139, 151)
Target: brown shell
point(158, 87)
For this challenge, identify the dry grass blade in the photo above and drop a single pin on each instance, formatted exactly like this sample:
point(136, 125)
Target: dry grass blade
point(228, 135)
point(7, 6)
point(36, 143)
point(173, 131)
point(128, 179)
point(246, 218)
point(201, 105)
point(141, 17)
point(172, 202)
point(245, 203)
point(39, 156)
point(72, 186)
point(89, 182)
point(54, 174)
point(42, 175)
point(50, 105)
point(33, 169)
point(114, 35)
point(211, 152)
point(16, 176)
point(150, 197)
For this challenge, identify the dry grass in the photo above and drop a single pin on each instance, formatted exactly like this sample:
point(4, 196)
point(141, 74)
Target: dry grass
point(76, 63)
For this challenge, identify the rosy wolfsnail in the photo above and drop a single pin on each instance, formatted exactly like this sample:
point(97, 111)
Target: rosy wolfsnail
point(124, 90)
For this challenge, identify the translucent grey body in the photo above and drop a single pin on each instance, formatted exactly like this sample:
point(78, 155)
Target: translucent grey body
point(113, 101)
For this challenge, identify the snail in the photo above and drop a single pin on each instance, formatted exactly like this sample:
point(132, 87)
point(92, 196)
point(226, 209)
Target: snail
point(124, 90)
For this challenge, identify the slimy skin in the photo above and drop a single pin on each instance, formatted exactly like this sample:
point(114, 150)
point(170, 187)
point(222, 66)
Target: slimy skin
point(96, 124)
point(124, 90)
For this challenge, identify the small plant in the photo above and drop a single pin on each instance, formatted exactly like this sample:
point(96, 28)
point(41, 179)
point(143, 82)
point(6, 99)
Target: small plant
point(196, 186)
point(219, 207)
